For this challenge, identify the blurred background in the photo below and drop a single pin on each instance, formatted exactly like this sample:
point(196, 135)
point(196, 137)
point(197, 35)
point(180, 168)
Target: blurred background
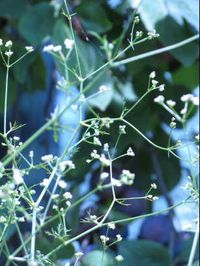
point(33, 96)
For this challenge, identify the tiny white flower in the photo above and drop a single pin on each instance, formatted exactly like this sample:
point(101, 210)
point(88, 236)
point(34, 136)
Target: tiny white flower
point(154, 82)
point(29, 49)
point(152, 75)
point(186, 97)
point(67, 195)
point(79, 254)
point(183, 111)
point(8, 53)
point(104, 160)
point(31, 154)
point(119, 237)
point(154, 186)
point(119, 258)
point(68, 43)
point(195, 100)
point(45, 182)
point(57, 48)
point(159, 99)
point(111, 225)
point(122, 129)
point(103, 88)
point(104, 239)
point(48, 48)
point(68, 203)
point(171, 103)
point(104, 175)
point(106, 147)
point(2, 219)
point(62, 184)
point(8, 44)
point(130, 152)
point(116, 182)
point(96, 141)
point(155, 198)
point(17, 176)
point(21, 219)
point(47, 158)
point(139, 34)
point(161, 87)
point(1, 42)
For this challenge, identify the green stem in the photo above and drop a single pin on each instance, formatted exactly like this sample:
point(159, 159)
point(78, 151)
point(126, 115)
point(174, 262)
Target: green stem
point(194, 246)
point(6, 99)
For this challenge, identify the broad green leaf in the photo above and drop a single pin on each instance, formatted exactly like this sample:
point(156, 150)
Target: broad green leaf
point(37, 23)
point(143, 253)
point(88, 56)
point(12, 8)
point(93, 16)
point(160, 16)
point(98, 258)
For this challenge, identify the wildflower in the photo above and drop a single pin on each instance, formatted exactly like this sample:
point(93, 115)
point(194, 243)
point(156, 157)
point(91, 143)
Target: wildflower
point(9, 53)
point(107, 122)
point(155, 198)
point(62, 184)
point(104, 175)
point(68, 203)
point(104, 239)
point(2, 219)
point(159, 99)
point(119, 258)
point(111, 225)
point(116, 182)
point(127, 178)
point(48, 48)
point(183, 111)
point(153, 34)
point(122, 129)
point(152, 75)
point(171, 103)
point(67, 195)
point(154, 83)
point(161, 87)
point(136, 19)
point(104, 160)
point(106, 147)
point(17, 176)
point(1, 42)
point(31, 154)
point(154, 186)
point(45, 182)
point(8, 44)
point(63, 165)
point(82, 98)
point(96, 141)
point(68, 43)
point(186, 97)
point(103, 88)
point(139, 34)
point(47, 158)
point(119, 237)
point(57, 48)
point(195, 100)
point(130, 152)
point(94, 154)
point(29, 49)
point(78, 254)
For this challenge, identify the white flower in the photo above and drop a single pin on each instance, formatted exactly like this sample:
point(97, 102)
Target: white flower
point(127, 178)
point(130, 152)
point(29, 49)
point(48, 48)
point(57, 48)
point(195, 100)
point(183, 111)
point(78, 254)
point(67, 195)
point(45, 182)
point(47, 158)
point(94, 154)
point(116, 182)
point(62, 184)
point(31, 154)
point(139, 34)
point(68, 43)
point(104, 175)
point(9, 53)
point(154, 186)
point(152, 75)
point(17, 176)
point(122, 129)
point(153, 34)
point(161, 87)
point(106, 147)
point(103, 88)
point(2, 219)
point(119, 237)
point(104, 239)
point(119, 258)
point(104, 160)
point(8, 44)
point(96, 141)
point(186, 97)
point(1, 42)
point(63, 165)
point(154, 82)
point(111, 225)
point(159, 99)
point(171, 103)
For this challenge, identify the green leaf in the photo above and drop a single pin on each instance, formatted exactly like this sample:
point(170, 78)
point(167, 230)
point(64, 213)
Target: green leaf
point(98, 258)
point(37, 23)
point(93, 16)
point(88, 56)
point(143, 253)
point(12, 8)
point(186, 76)
point(161, 16)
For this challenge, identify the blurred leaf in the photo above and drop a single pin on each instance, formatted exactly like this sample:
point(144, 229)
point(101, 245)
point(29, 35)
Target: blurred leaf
point(93, 16)
point(88, 56)
point(142, 253)
point(12, 8)
point(158, 15)
point(37, 23)
point(98, 258)
point(187, 76)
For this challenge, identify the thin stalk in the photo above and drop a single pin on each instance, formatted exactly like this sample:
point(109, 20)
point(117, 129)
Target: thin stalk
point(6, 99)
point(194, 246)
